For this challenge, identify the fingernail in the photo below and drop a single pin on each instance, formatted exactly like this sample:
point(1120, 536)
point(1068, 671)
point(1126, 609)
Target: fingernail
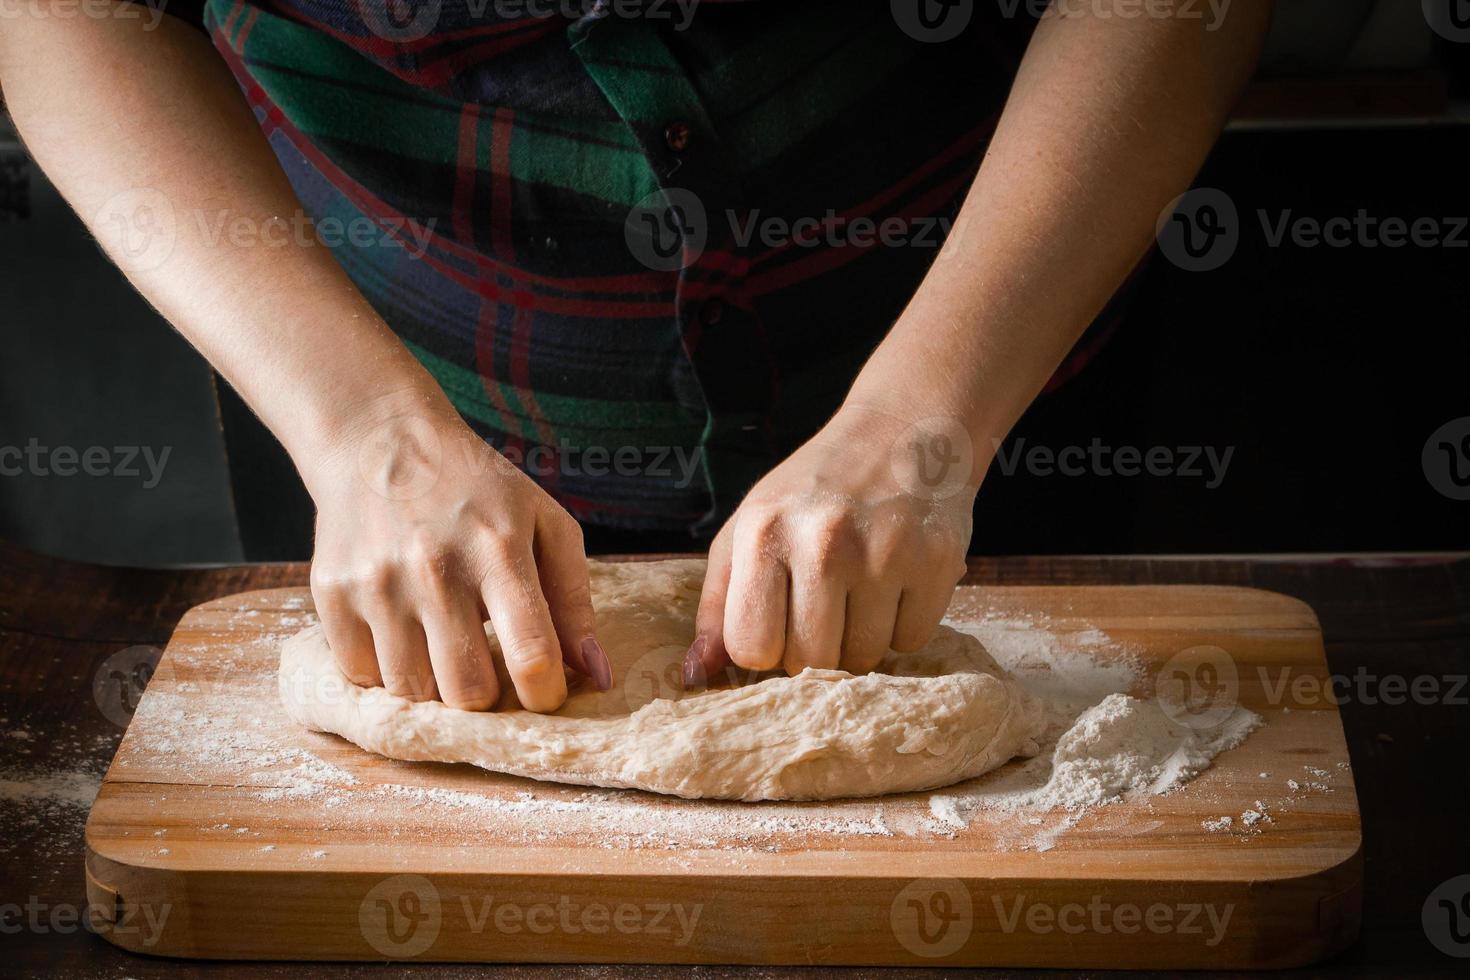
point(694, 663)
point(595, 659)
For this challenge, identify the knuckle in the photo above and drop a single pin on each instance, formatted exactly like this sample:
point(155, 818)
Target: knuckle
point(375, 579)
point(752, 653)
point(426, 550)
point(886, 549)
point(472, 696)
point(566, 528)
point(763, 531)
point(501, 557)
point(529, 645)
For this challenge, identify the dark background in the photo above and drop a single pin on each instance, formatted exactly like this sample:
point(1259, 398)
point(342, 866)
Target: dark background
point(1326, 369)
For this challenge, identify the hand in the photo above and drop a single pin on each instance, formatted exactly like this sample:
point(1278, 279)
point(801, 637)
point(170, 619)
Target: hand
point(850, 547)
point(424, 532)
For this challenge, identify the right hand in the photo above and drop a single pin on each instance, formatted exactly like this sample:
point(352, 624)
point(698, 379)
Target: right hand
point(423, 533)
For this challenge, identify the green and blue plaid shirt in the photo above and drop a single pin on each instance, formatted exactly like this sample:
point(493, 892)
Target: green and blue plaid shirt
point(644, 254)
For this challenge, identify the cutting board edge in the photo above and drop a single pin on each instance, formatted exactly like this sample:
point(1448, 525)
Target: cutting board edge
point(1276, 942)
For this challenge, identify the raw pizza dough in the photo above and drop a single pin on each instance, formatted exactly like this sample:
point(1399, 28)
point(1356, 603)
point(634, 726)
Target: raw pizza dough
point(925, 720)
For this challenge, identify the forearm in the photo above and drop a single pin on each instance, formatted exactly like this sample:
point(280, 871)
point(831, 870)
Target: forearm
point(106, 108)
point(1108, 120)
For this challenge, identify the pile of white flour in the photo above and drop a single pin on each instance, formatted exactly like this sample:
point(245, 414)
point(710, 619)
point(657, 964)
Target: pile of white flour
point(1108, 738)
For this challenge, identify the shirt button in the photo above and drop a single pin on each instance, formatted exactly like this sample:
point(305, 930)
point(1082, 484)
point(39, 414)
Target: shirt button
point(677, 136)
point(712, 312)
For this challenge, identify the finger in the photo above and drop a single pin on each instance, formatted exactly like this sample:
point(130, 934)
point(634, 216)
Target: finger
point(348, 637)
point(524, 628)
point(403, 657)
point(920, 609)
point(815, 621)
point(561, 563)
point(460, 655)
point(755, 606)
point(871, 610)
point(706, 657)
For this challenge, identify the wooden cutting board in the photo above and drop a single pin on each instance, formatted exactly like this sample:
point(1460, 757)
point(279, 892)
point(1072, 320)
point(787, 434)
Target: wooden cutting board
point(223, 831)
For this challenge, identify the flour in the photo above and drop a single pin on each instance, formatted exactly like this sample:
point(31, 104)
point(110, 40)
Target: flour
point(229, 732)
point(1106, 742)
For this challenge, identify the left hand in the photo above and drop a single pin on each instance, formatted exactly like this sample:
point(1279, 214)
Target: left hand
point(850, 547)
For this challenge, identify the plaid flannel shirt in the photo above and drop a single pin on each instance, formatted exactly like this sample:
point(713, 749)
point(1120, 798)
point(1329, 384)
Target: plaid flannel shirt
point(631, 249)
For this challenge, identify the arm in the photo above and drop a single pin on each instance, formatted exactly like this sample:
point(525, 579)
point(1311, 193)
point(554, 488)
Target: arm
point(838, 548)
point(421, 529)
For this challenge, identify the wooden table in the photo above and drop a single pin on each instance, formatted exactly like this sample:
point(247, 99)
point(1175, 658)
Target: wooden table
point(1383, 617)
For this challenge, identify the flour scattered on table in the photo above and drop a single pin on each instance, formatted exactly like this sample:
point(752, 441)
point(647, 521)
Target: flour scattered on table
point(1107, 739)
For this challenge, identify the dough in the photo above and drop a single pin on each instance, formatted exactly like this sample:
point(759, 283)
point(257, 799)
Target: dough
point(928, 719)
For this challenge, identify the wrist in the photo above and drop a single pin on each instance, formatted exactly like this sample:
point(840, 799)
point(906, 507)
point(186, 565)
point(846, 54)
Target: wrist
point(933, 455)
point(339, 437)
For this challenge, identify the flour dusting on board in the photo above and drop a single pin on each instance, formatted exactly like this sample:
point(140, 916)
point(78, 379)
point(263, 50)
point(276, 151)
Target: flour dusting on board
point(1106, 740)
